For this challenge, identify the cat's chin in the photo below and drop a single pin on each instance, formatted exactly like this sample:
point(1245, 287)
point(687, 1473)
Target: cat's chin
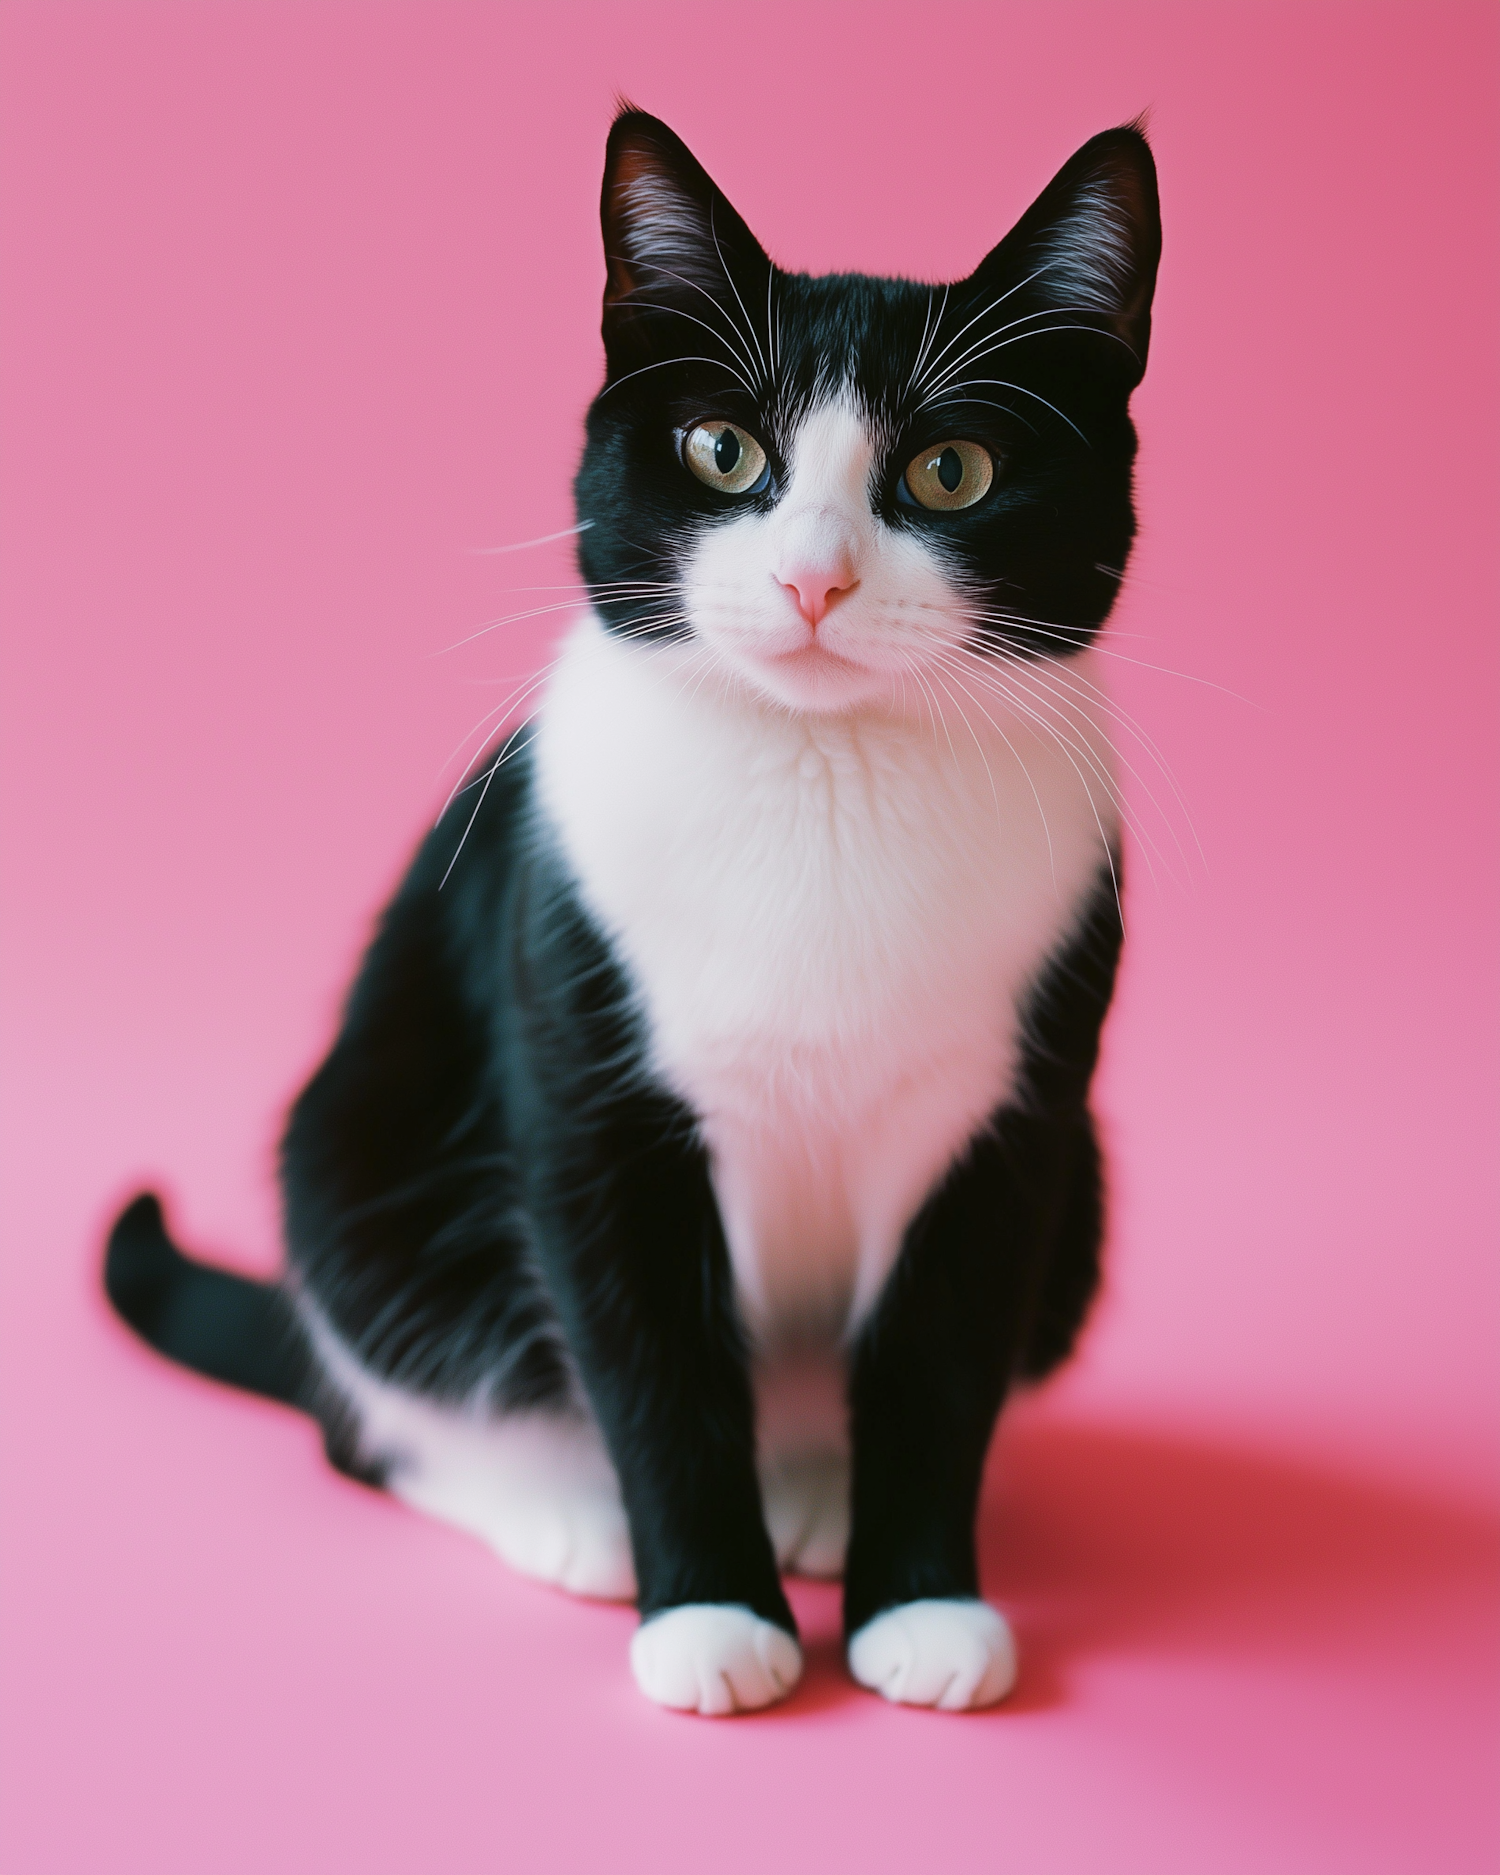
point(815, 679)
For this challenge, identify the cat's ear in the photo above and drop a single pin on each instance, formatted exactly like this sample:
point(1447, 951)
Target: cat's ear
point(672, 243)
point(1087, 249)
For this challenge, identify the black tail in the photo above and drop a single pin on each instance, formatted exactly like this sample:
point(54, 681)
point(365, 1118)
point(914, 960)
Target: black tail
point(225, 1326)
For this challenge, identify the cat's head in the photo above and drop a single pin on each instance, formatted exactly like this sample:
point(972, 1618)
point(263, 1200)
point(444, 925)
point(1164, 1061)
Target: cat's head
point(833, 485)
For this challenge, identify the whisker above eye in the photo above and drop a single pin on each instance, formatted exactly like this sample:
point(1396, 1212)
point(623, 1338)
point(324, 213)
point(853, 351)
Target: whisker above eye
point(994, 342)
point(662, 364)
point(677, 312)
point(1005, 384)
point(1008, 294)
point(729, 276)
point(961, 397)
point(929, 336)
point(698, 287)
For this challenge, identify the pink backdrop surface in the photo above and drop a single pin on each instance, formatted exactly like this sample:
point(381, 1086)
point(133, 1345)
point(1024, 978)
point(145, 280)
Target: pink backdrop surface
point(299, 310)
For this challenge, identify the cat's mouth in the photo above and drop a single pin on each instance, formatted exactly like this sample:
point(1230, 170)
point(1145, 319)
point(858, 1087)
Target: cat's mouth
point(814, 657)
point(812, 675)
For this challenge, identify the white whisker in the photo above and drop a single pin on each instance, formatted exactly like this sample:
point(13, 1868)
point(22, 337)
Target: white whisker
point(999, 616)
point(1076, 745)
point(1020, 763)
point(1004, 384)
point(677, 312)
point(983, 348)
point(1027, 677)
point(661, 364)
point(723, 311)
point(542, 540)
point(1071, 678)
point(499, 762)
point(1008, 294)
point(749, 325)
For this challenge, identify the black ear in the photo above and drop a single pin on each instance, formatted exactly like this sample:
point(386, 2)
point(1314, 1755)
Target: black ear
point(1087, 249)
point(675, 250)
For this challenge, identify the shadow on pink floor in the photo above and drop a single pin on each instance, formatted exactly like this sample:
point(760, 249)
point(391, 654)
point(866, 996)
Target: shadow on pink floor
point(1105, 1542)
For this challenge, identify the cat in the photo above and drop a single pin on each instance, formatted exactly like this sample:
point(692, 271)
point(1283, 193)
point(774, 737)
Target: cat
point(706, 1149)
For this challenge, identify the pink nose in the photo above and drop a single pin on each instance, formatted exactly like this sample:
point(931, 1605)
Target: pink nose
point(817, 589)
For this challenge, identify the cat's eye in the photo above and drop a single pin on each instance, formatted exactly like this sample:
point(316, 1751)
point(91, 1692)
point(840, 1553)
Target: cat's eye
point(950, 475)
point(725, 457)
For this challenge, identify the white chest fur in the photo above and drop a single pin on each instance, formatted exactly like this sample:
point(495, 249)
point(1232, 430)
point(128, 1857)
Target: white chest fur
point(830, 922)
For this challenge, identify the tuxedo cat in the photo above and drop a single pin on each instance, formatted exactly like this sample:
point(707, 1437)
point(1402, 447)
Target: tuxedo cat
point(706, 1150)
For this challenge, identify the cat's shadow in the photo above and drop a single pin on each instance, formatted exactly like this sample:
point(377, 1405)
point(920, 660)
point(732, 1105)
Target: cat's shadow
point(1102, 1540)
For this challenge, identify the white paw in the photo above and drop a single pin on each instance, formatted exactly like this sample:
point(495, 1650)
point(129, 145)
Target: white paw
point(807, 1512)
point(537, 1487)
point(715, 1658)
point(955, 1655)
point(580, 1544)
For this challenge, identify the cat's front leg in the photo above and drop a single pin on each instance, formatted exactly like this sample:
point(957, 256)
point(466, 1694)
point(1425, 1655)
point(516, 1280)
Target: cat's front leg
point(930, 1372)
point(627, 1233)
point(636, 1258)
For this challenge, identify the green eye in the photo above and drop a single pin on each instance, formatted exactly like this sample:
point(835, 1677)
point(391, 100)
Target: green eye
point(724, 456)
point(950, 475)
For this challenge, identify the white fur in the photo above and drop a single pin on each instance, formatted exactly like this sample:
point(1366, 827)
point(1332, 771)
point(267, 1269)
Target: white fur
point(955, 1655)
point(803, 1440)
point(715, 1658)
point(832, 911)
point(537, 1487)
point(806, 1500)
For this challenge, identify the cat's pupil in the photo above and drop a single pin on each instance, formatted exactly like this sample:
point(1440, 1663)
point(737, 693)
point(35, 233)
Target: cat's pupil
point(727, 451)
point(950, 469)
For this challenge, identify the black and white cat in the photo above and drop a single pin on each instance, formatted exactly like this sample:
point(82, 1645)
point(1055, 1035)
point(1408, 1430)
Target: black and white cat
point(706, 1149)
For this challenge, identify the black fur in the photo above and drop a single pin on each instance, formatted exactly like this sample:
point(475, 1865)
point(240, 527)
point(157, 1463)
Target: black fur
point(228, 1327)
point(487, 1196)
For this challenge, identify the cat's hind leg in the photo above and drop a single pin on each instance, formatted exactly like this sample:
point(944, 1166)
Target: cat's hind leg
point(803, 1458)
point(537, 1486)
point(806, 1498)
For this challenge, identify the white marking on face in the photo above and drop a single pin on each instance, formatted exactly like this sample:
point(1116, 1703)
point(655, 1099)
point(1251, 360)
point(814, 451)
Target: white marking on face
point(819, 604)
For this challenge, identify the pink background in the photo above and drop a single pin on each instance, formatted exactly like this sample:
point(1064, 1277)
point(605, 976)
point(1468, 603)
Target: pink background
point(299, 310)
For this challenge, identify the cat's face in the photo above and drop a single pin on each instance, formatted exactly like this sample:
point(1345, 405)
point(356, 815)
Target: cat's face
point(845, 490)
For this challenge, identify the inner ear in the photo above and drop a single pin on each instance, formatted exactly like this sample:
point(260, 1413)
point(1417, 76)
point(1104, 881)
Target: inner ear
point(670, 234)
point(1088, 247)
